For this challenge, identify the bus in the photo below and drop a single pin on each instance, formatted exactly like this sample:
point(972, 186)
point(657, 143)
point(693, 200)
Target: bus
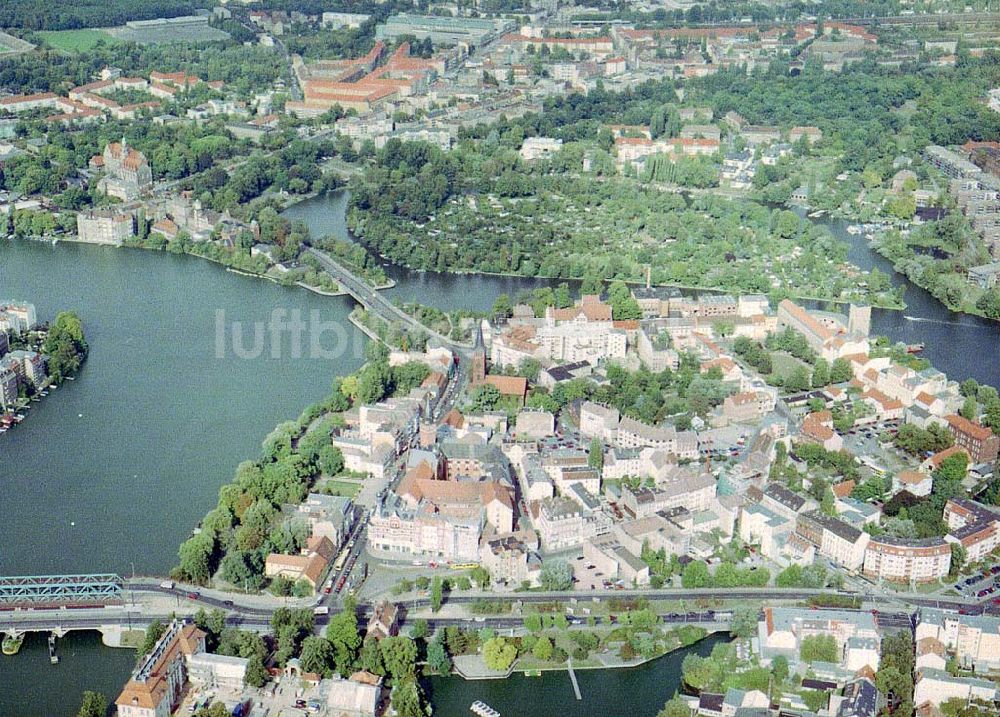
point(464, 566)
point(873, 466)
point(341, 559)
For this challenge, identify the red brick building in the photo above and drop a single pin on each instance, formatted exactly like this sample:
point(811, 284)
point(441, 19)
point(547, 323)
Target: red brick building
point(981, 443)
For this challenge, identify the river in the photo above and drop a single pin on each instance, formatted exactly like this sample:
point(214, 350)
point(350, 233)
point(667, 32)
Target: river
point(118, 466)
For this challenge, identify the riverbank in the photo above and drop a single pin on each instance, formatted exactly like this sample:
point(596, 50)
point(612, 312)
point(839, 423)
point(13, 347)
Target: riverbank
point(473, 668)
point(639, 691)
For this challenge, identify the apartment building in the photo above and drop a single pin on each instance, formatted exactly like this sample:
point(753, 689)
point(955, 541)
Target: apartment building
point(158, 682)
point(834, 539)
point(597, 421)
point(973, 526)
point(634, 434)
point(907, 560)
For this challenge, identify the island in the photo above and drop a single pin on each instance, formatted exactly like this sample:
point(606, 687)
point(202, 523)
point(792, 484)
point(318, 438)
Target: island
point(35, 358)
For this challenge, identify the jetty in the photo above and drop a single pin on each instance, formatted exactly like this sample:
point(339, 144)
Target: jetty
point(572, 677)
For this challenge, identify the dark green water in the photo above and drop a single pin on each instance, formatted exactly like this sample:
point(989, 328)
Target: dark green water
point(32, 687)
point(116, 467)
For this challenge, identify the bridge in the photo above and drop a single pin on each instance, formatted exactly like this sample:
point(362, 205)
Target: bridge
point(368, 297)
point(40, 591)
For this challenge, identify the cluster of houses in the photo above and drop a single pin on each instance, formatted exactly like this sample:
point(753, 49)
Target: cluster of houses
point(17, 367)
point(972, 641)
point(977, 193)
point(179, 664)
point(476, 489)
point(95, 101)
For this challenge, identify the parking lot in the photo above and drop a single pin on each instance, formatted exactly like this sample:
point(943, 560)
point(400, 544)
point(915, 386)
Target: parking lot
point(981, 585)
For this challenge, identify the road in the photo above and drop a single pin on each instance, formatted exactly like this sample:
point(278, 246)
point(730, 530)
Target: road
point(258, 618)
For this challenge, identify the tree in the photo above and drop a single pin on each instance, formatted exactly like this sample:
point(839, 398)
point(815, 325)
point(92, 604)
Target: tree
point(437, 594)
point(779, 668)
point(555, 575)
point(498, 654)
point(821, 373)
point(420, 630)
point(828, 504)
point(407, 700)
point(481, 576)
point(675, 707)
point(969, 409)
point(399, 655)
point(958, 557)
point(744, 622)
point(256, 674)
point(342, 632)
point(65, 347)
point(542, 649)
point(317, 655)
point(437, 656)
point(819, 648)
point(533, 622)
point(502, 307)
point(153, 633)
point(595, 456)
point(840, 371)
point(94, 705)
point(695, 575)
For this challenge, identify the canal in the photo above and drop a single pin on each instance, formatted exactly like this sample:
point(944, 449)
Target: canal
point(116, 468)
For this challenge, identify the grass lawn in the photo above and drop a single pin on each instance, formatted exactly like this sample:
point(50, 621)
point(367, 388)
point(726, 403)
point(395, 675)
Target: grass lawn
point(343, 488)
point(75, 40)
point(784, 364)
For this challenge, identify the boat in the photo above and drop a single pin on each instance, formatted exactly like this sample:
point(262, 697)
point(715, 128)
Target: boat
point(482, 709)
point(12, 644)
point(53, 657)
point(532, 673)
point(914, 348)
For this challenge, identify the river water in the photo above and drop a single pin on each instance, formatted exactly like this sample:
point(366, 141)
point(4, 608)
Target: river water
point(118, 466)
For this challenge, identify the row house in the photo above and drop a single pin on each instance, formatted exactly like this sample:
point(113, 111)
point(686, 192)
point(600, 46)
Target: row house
point(979, 441)
point(974, 639)
point(635, 434)
point(512, 560)
point(782, 630)
point(834, 539)
point(562, 523)
point(448, 532)
point(973, 526)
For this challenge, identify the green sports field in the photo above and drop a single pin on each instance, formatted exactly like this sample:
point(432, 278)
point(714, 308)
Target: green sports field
point(75, 40)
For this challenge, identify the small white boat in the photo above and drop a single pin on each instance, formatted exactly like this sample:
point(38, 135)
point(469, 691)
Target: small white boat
point(482, 709)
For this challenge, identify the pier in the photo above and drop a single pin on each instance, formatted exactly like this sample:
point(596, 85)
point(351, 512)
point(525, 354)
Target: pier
point(572, 677)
